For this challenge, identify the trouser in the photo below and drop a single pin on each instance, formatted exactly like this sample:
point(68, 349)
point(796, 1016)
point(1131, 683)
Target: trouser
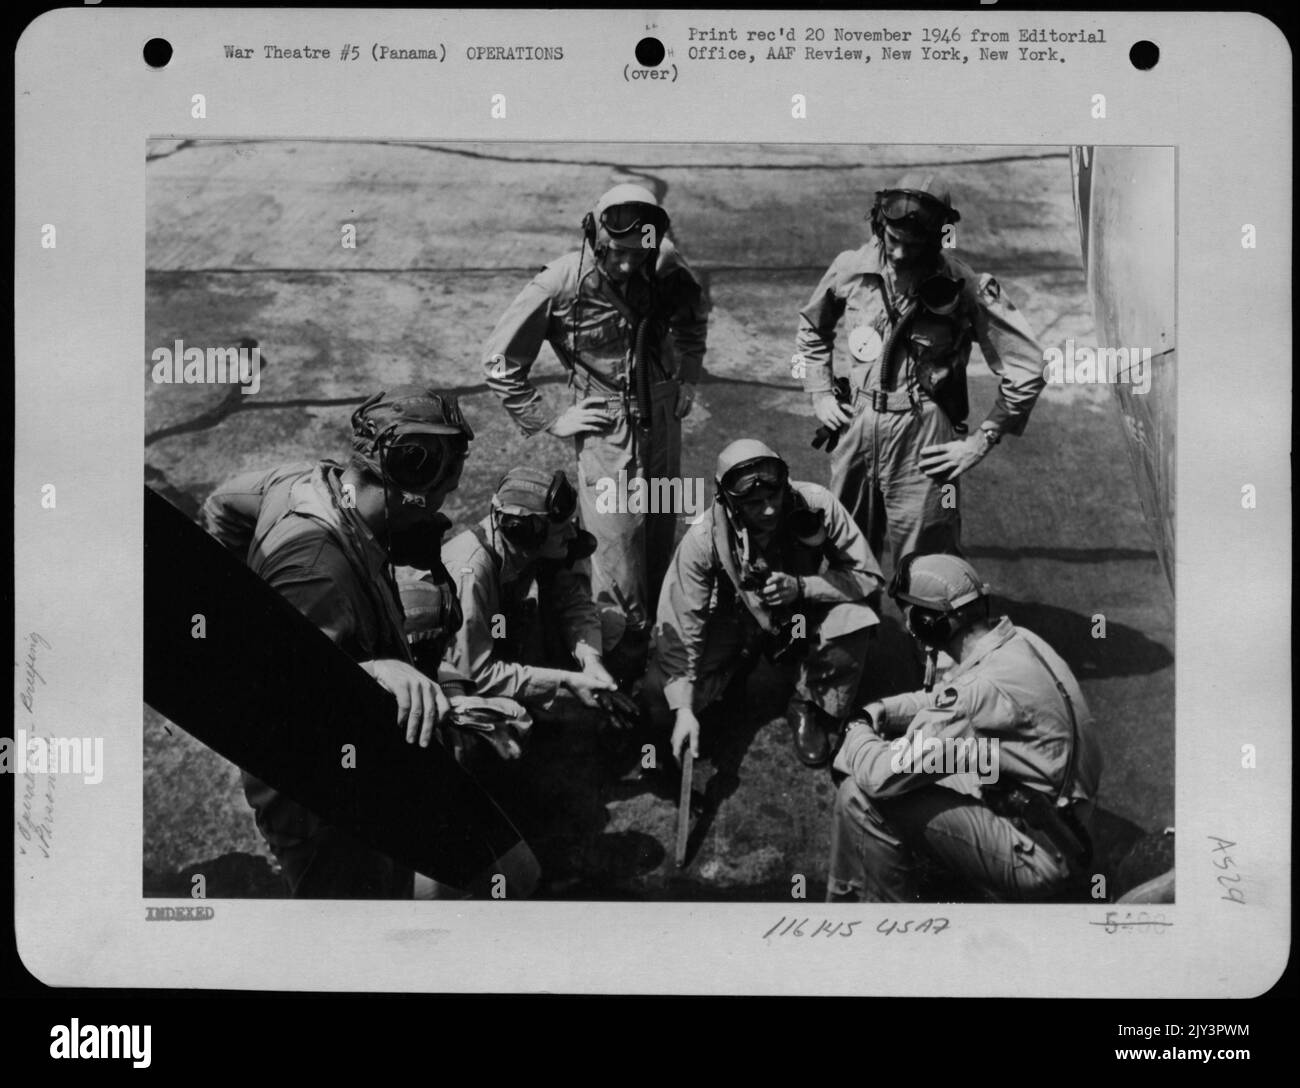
point(632, 549)
point(874, 843)
point(828, 676)
point(876, 474)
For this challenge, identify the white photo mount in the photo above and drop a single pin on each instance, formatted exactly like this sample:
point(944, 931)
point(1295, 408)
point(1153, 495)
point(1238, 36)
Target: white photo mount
point(93, 120)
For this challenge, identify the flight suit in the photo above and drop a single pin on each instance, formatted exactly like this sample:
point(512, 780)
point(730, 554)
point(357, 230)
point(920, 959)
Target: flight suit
point(890, 804)
point(515, 621)
point(571, 306)
point(297, 531)
point(709, 625)
point(921, 401)
point(482, 728)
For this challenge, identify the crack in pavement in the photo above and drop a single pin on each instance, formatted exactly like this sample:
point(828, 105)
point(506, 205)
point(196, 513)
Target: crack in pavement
point(227, 406)
point(234, 401)
point(821, 166)
point(636, 168)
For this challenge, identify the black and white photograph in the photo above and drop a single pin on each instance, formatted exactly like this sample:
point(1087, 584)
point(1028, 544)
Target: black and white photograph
point(739, 518)
point(693, 503)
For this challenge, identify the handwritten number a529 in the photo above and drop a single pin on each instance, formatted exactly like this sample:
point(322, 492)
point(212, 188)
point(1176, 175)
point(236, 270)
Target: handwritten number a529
point(1225, 862)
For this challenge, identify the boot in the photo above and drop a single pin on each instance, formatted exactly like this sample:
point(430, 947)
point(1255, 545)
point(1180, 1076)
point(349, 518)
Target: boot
point(808, 727)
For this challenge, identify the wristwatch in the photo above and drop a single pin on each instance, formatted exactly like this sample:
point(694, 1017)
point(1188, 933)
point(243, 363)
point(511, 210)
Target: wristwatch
point(992, 436)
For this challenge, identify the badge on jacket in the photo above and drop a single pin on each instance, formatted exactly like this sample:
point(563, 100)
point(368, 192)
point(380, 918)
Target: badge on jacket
point(945, 699)
point(865, 344)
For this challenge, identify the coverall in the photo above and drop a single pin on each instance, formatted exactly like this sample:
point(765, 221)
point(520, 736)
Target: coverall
point(874, 469)
point(592, 329)
point(708, 625)
point(515, 620)
point(889, 804)
point(297, 531)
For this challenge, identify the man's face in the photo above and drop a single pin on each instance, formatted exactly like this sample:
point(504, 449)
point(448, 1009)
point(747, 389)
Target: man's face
point(558, 535)
point(411, 519)
point(762, 510)
point(411, 537)
point(619, 262)
point(905, 250)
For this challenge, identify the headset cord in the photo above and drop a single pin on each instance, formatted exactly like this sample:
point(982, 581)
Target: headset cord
point(573, 312)
point(886, 355)
point(931, 667)
point(641, 374)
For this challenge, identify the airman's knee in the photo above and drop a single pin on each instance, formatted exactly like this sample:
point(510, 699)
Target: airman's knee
point(853, 802)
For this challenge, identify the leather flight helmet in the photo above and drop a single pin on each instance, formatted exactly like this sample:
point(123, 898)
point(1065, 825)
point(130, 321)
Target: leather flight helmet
point(918, 206)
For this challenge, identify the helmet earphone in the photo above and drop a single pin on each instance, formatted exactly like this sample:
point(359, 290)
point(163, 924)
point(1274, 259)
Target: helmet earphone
point(413, 467)
point(932, 621)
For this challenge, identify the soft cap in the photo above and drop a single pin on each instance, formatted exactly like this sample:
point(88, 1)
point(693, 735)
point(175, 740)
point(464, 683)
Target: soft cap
point(524, 490)
point(941, 583)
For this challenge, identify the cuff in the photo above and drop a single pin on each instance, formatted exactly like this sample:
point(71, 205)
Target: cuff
point(817, 374)
point(536, 424)
point(1005, 421)
point(532, 687)
point(859, 734)
point(680, 693)
point(818, 379)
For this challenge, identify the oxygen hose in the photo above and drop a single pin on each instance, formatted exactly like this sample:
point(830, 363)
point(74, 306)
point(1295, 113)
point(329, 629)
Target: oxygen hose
point(886, 355)
point(641, 374)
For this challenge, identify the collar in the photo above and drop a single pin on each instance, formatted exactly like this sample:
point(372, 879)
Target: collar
point(997, 637)
point(869, 261)
point(866, 261)
point(322, 498)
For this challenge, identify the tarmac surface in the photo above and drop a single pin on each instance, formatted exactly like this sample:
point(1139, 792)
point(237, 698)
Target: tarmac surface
point(244, 240)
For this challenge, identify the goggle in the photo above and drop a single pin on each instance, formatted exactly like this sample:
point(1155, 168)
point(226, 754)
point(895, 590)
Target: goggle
point(930, 627)
point(914, 212)
point(761, 480)
point(420, 463)
point(529, 530)
point(620, 220)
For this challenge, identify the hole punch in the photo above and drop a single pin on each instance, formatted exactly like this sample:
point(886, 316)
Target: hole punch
point(157, 52)
point(649, 52)
point(1144, 55)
